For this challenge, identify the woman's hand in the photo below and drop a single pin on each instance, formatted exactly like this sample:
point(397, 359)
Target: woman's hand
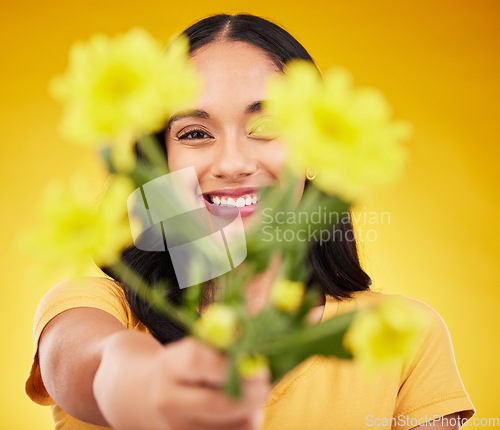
point(197, 374)
point(141, 384)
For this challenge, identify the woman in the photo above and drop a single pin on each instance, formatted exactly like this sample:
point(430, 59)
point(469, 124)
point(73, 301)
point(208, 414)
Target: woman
point(106, 358)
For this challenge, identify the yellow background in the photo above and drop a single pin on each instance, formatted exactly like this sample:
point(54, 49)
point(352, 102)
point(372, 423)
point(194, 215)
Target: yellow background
point(439, 65)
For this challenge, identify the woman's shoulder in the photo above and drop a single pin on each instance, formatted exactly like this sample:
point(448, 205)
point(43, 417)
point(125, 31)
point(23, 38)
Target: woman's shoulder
point(435, 333)
point(370, 298)
point(98, 292)
point(360, 300)
point(85, 284)
point(84, 289)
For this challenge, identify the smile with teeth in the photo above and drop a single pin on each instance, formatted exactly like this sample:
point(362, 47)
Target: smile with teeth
point(237, 202)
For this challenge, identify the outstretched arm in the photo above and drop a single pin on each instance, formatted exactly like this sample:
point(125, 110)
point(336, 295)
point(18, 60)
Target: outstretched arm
point(101, 373)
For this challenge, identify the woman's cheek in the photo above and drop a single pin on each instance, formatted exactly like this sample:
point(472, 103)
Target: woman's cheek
point(178, 157)
point(192, 158)
point(275, 157)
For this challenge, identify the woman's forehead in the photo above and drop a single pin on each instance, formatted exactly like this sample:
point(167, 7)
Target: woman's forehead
point(227, 63)
point(233, 73)
point(232, 50)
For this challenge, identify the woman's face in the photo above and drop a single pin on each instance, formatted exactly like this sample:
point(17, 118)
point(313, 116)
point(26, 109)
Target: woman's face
point(218, 135)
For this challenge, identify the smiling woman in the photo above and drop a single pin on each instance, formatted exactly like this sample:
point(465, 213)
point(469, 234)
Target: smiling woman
point(126, 367)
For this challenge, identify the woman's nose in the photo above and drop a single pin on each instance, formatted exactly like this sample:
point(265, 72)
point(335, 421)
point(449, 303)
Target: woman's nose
point(233, 159)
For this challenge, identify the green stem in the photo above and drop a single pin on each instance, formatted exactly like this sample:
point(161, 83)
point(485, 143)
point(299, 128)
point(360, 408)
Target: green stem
point(311, 334)
point(156, 158)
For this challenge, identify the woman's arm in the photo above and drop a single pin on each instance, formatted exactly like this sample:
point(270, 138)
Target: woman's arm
point(100, 372)
point(70, 351)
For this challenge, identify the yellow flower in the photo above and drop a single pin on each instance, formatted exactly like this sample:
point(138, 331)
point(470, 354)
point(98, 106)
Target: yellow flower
point(250, 366)
point(385, 335)
point(116, 89)
point(79, 228)
point(217, 326)
point(287, 295)
point(346, 135)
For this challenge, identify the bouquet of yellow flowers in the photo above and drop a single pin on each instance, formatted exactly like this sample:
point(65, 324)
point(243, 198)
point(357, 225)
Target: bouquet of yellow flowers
point(116, 93)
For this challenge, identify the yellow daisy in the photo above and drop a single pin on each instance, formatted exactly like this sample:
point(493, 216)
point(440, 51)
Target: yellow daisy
point(116, 89)
point(346, 135)
point(79, 228)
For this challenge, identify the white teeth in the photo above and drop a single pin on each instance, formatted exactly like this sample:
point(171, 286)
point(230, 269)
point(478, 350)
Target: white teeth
point(246, 200)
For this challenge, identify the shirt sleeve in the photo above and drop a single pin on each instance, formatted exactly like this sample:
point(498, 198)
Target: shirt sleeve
point(431, 384)
point(98, 293)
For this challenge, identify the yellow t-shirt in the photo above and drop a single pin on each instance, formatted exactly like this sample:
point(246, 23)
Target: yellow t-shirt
point(320, 393)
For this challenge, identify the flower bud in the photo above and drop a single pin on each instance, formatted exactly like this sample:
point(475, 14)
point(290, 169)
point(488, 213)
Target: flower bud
point(287, 295)
point(217, 326)
point(250, 366)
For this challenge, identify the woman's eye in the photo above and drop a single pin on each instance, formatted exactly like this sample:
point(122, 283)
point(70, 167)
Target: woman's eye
point(194, 135)
point(265, 128)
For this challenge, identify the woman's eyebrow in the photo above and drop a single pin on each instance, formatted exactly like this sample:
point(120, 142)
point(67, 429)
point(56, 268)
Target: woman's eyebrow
point(197, 113)
point(254, 107)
